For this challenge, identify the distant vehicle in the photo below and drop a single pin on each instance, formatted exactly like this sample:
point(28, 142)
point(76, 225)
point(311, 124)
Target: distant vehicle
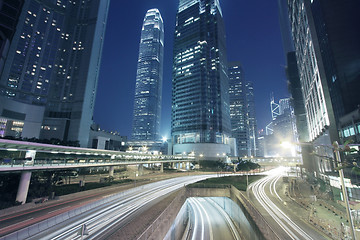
point(6, 161)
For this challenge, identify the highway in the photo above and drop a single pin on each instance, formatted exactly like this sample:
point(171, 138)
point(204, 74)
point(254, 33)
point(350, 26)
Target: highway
point(209, 221)
point(103, 220)
point(283, 221)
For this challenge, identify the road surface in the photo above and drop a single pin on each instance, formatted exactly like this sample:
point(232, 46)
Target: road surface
point(100, 222)
point(283, 221)
point(209, 221)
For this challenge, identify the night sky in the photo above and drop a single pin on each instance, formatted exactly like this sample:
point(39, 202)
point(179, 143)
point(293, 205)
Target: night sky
point(253, 38)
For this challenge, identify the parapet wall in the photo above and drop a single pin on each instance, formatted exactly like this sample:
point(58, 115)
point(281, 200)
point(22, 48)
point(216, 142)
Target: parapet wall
point(165, 221)
point(255, 218)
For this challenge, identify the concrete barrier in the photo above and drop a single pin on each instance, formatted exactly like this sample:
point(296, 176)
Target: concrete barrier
point(43, 225)
point(159, 228)
point(253, 215)
point(165, 222)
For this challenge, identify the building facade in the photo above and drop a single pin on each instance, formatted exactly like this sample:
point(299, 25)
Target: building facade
point(200, 95)
point(9, 15)
point(253, 132)
point(54, 61)
point(238, 108)
point(149, 79)
point(242, 111)
point(325, 35)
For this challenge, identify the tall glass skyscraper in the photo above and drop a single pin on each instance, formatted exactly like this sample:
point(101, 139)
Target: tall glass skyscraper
point(149, 78)
point(242, 111)
point(238, 108)
point(200, 96)
point(53, 62)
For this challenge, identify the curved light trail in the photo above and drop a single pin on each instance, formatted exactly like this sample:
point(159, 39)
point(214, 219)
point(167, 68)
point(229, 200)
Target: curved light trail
point(218, 226)
point(102, 221)
point(288, 225)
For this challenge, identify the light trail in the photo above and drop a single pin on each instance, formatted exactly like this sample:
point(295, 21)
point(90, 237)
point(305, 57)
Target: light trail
point(227, 218)
point(102, 220)
point(258, 188)
point(219, 225)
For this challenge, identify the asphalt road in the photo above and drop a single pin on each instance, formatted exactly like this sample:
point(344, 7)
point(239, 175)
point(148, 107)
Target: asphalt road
point(209, 221)
point(106, 218)
point(285, 223)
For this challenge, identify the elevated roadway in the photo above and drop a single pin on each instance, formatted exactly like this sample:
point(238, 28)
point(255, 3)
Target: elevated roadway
point(105, 216)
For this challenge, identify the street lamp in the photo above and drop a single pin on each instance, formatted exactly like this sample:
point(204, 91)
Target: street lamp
point(335, 147)
point(341, 174)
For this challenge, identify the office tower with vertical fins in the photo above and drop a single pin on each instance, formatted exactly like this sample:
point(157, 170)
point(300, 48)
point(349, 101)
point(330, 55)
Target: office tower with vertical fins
point(200, 96)
point(149, 78)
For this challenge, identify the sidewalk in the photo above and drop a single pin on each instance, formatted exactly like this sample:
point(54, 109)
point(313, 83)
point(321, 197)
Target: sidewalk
point(315, 208)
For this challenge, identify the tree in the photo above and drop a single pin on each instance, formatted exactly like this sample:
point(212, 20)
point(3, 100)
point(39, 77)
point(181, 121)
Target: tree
point(246, 165)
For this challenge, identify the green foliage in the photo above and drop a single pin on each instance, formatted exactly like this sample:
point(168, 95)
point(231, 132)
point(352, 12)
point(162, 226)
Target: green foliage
point(8, 189)
point(356, 170)
point(212, 165)
point(73, 188)
point(237, 181)
point(246, 165)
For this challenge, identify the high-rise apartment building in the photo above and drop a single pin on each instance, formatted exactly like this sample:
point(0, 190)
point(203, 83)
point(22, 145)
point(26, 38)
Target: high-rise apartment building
point(53, 66)
point(200, 96)
point(149, 78)
point(242, 111)
point(328, 57)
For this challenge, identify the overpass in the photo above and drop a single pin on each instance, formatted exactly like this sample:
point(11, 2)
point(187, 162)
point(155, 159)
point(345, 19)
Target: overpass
point(45, 157)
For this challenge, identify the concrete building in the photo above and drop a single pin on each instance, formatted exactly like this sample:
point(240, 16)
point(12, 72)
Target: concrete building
point(200, 96)
point(149, 78)
point(101, 139)
point(54, 60)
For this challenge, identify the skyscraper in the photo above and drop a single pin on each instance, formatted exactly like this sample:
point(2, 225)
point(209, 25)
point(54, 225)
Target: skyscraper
point(9, 15)
point(149, 78)
point(53, 66)
point(326, 37)
point(253, 132)
point(200, 96)
point(238, 108)
point(242, 111)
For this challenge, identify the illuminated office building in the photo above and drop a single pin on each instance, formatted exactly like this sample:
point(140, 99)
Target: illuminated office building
point(326, 36)
point(200, 97)
point(149, 78)
point(53, 64)
point(242, 111)
point(238, 108)
point(9, 15)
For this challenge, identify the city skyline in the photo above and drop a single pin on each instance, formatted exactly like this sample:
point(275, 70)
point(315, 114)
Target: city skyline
point(264, 65)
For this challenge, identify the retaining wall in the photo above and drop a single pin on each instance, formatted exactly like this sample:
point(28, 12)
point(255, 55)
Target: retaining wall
point(255, 220)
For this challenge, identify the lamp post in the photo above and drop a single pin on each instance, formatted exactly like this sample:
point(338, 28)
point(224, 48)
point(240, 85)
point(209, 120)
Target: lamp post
point(344, 192)
point(336, 149)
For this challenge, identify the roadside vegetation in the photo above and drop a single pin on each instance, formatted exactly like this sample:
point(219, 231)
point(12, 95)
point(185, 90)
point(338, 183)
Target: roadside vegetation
point(240, 182)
